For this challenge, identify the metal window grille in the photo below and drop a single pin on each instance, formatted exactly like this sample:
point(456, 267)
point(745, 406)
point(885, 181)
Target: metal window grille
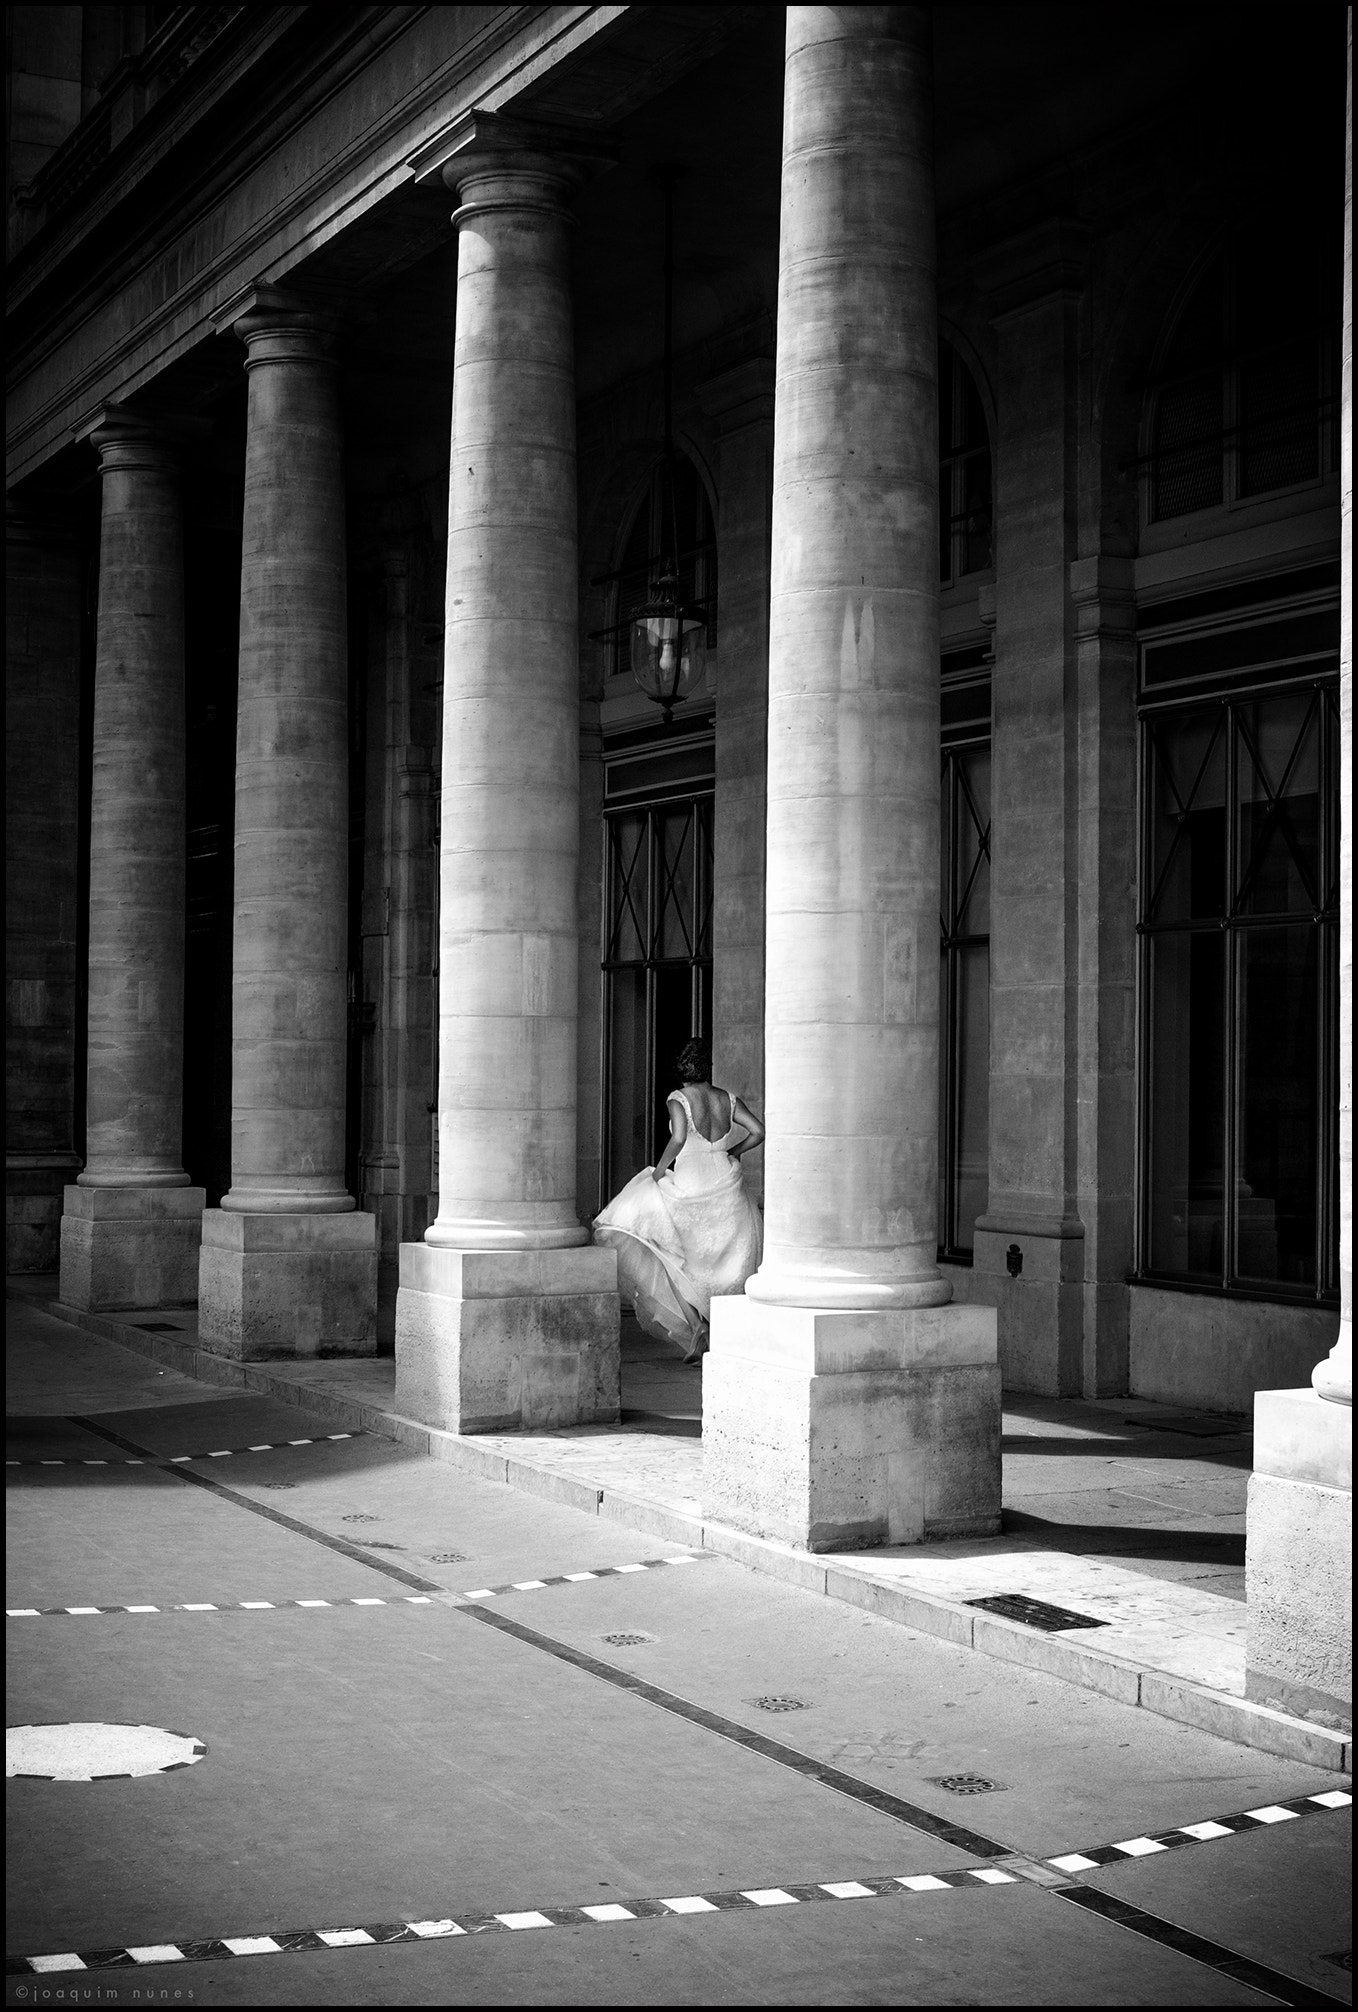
point(964, 1047)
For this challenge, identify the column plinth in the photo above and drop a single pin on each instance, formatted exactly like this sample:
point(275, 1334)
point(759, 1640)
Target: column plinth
point(137, 1244)
point(844, 1444)
point(509, 852)
point(302, 1287)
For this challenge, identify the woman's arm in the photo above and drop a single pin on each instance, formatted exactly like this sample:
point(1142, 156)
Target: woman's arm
point(742, 1115)
point(678, 1133)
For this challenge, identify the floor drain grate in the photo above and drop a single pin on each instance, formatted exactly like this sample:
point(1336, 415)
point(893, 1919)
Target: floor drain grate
point(280, 1484)
point(158, 1326)
point(1035, 1613)
point(778, 1704)
point(966, 1784)
point(626, 1641)
point(447, 1557)
point(360, 1518)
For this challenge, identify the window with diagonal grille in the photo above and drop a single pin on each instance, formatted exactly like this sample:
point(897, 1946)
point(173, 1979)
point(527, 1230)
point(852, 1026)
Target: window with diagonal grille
point(1240, 944)
point(657, 967)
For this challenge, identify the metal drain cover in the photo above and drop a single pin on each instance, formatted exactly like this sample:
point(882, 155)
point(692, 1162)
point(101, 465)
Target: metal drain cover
point(447, 1557)
point(360, 1518)
point(1035, 1613)
point(157, 1326)
point(966, 1784)
point(626, 1641)
point(280, 1484)
point(778, 1704)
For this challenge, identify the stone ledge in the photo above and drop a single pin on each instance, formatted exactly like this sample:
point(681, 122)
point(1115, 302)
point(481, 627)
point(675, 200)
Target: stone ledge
point(1237, 1719)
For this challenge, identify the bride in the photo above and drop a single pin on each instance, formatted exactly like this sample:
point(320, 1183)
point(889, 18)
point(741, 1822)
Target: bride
point(684, 1234)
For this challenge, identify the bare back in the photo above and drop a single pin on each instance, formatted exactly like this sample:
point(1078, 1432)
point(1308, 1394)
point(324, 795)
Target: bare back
point(713, 1110)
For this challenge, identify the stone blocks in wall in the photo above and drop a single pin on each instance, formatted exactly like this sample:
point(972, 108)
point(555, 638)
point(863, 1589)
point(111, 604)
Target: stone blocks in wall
point(838, 1430)
point(130, 1247)
point(1041, 1308)
point(288, 1285)
point(34, 1186)
point(1299, 1556)
point(494, 1341)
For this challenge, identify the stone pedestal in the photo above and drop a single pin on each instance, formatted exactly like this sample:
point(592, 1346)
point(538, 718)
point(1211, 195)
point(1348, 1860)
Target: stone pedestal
point(130, 1247)
point(288, 1284)
point(1299, 1557)
point(494, 1341)
point(839, 1429)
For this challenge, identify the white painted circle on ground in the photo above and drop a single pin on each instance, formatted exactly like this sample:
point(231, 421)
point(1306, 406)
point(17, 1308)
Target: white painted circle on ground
point(87, 1750)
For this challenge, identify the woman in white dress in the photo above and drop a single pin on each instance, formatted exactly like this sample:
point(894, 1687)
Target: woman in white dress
point(685, 1228)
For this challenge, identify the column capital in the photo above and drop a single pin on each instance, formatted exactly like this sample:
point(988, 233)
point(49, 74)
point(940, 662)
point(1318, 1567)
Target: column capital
point(494, 161)
point(281, 324)
point(125, 437)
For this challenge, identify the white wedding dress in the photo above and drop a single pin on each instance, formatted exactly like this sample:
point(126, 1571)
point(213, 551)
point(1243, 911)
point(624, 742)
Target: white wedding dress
point(682, 1238)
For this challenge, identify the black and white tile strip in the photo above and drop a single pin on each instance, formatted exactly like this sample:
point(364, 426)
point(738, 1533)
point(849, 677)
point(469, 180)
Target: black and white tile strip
point(415, 1600)
point(970, 1878)
point(179, 1459)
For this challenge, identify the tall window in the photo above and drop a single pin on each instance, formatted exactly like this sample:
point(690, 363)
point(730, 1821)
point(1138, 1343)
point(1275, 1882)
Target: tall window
point(657, 960)
point(1244, 404)
point(964, 1020)
point(964, 486)
point(1240, 942)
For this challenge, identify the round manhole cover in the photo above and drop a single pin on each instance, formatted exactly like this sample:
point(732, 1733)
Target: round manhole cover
point(447, 1557)
point(778, 1704)
point(626, 1641)
point(280, 1484)
point(965, 1784)
point(360, 1518)
point(88, 1750)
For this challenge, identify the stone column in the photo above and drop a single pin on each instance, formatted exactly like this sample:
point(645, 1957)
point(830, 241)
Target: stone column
point(845, 1402)
point(131, 1227)
point(1299, 1517)
point(506, 1315)
point(289, 1267)
point(42, 726)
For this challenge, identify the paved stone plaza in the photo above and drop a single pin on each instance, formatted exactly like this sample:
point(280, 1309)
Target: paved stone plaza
point(439, 1713)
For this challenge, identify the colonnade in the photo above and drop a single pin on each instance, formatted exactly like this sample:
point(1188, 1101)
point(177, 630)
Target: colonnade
point(846, 1399)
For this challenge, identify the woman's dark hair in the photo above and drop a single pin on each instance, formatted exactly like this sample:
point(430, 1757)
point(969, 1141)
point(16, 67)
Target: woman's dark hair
point(694, 1062)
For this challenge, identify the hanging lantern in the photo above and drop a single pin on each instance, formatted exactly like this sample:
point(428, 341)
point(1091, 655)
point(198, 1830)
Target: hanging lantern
point(669, 644)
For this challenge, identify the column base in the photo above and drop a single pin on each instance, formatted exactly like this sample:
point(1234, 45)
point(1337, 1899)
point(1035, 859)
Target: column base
point(288, 1285)
point(1298, 1552)
point(835, 1431)
point(130, 1247)
point(496, 1341)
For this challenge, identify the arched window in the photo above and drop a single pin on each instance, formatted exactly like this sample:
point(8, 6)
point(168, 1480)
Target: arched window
point(964, 484)
point(681, 527)
point(1244, 402)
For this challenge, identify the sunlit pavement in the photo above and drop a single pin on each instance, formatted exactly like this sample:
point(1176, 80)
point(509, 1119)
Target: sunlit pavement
point(442, 1742)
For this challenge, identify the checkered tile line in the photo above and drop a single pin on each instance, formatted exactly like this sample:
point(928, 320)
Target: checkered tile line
point(576, 1578)
point(302, 1939)
point(179, 1459)
point(224, 1606)
point(970, 1878)
point(406, 1600)
point(1200, 1833)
